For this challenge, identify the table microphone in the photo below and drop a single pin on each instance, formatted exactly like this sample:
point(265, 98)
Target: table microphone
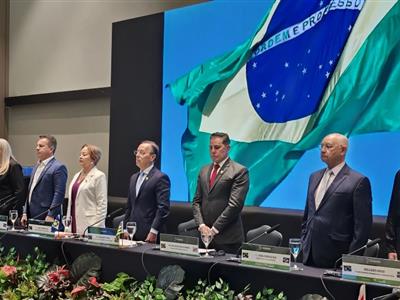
point(7, 200)
point(392, 296)
point(266, 232)
point(367, 245)
point(47, 210)
point(112, 214)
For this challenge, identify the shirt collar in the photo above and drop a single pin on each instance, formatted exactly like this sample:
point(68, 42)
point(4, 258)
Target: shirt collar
point(46, 161)
point(147, 170)
point(336, 169)
point(222, 162)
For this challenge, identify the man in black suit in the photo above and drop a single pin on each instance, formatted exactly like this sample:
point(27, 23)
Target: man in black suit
point(392, 228)
point(149, 191)
point(221, 191)
point(338, 214)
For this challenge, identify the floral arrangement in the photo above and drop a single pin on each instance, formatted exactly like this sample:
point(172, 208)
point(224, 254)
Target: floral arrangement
point(34, 278)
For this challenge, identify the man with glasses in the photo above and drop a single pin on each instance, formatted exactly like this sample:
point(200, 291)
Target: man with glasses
point(221, 191)
point(149, 192)
point(338, 214)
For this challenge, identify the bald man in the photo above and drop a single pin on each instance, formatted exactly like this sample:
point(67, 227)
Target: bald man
point(338, 215)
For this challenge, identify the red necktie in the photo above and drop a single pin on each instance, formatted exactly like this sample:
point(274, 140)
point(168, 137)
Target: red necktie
point(214, 174)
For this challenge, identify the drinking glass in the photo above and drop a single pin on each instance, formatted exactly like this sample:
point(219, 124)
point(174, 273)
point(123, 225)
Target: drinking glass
point(13, 217)
point(295, 248)
point(131, 229)
point(206, 238)
point(67, 221)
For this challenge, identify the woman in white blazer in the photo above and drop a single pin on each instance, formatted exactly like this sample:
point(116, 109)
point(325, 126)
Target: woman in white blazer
point(87, 201)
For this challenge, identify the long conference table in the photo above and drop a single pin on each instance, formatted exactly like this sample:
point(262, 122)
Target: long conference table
point(147, 259)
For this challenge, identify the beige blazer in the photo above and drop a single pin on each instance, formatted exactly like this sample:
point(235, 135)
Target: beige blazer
point(91, 200)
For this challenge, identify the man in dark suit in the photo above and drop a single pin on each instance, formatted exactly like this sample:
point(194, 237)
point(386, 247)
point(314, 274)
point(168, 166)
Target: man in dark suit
point(221, 191)
point(392, 228)
point(149, 191)
point(46, 189)
point(338, 214)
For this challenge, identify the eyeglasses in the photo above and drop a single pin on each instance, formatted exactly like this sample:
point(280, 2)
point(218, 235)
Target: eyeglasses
point(141, 153)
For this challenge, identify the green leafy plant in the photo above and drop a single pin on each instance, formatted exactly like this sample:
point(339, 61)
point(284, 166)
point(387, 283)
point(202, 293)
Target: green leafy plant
point(270, 294)
point(17, 276)
point(147, 290)
point(169, 280)
point(220, 290)
point(54, 283)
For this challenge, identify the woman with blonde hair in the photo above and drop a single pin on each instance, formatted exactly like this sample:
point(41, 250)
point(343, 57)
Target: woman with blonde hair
point(87, 201)
point(12, 189)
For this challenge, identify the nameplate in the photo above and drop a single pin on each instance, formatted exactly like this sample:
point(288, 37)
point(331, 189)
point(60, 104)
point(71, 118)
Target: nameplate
point(3, 222)
point(180, 244)
point(102, 235)
point(270, 257)
point(371, 270)
point(40, 226)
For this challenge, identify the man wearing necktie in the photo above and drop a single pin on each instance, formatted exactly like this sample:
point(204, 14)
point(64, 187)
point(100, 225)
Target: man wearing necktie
point(338, 212)
point(46, 191)
point(148, 196)
point(221, 191)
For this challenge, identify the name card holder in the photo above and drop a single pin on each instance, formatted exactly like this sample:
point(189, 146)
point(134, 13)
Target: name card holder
point(3, 222)
point(371, 270)
point(270, 257)
point(40, 226)
point(180, 244)
point(102, 235)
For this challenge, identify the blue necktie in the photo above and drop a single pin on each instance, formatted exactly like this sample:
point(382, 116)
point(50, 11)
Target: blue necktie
point(139, 181)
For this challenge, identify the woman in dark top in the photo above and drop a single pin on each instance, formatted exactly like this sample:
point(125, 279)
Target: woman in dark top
point(12, 189)
point(392, 229)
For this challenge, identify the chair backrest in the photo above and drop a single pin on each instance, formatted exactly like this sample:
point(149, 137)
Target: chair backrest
point(259, 236)
point(372, 251)
point(188, 228)
point(117, 220)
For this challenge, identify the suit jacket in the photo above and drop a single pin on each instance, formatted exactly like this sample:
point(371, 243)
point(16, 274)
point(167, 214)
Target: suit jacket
point(342, 221)
point(12, 188)
point(150, 208)
point(220, 205)
point(392, 228)
point(91, 200)
point(49, 191)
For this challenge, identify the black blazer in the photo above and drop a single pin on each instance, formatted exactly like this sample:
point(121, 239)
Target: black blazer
point(220, 205)
point(342, 221)
point(12, 189)
point(392, 228)
point(150, 208)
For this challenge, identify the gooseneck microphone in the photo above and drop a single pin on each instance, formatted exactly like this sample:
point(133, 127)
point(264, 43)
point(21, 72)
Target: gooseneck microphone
point(266, 232)
point(7, 200)
point(367, 245)
point(110, 215)
point(47, 210)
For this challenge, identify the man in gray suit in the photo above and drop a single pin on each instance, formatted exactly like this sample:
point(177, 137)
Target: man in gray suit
point(221, 191)
point(338, 214)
